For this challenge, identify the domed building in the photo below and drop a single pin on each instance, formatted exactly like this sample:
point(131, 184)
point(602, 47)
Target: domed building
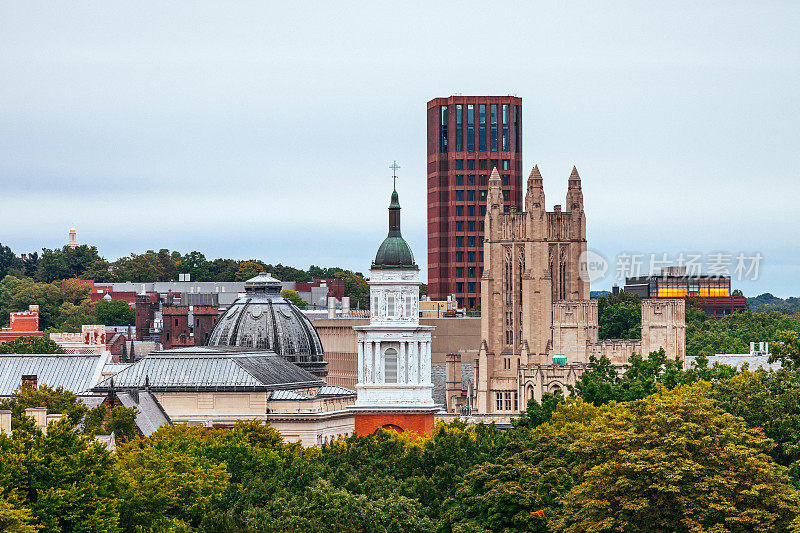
point(263, 360)
point(262, 319)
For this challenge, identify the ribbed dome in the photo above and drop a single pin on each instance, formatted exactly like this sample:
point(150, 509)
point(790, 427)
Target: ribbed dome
point(263, 319)
point(394, 251)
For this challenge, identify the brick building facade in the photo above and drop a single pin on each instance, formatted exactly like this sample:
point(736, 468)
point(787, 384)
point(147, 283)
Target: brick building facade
point(468, 136)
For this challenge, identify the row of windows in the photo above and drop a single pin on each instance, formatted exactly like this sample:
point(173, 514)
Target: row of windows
point(471, 272)
point(470, 225)
point(471, 241)
point(394, 305)
point(495, 163)
point(505, 400)
point(470, 116)
point(483, 179)
point(472, 286)
point(471, 210)
point(470, 257)
point(470, 304)
point(470, 195)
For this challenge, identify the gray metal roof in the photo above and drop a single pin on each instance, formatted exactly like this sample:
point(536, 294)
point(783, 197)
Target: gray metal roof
point(289, 395)
point(92, 401)
point(150, 415)
point(334, 390)
point(75, 373)
point(206, 368)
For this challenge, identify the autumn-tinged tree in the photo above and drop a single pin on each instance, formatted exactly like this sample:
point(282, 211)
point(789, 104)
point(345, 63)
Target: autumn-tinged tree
point(295, 298)
point(770, 401)
point(14, 519)
point(249, 269)
point(675, 461)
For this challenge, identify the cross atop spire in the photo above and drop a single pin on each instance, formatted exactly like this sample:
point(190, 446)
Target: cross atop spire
point(394, 166)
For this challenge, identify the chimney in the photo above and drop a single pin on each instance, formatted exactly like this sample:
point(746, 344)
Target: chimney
point(752, 348)
point(39, 415)
point(5, 422)
point(331, 307)
point(345, 305)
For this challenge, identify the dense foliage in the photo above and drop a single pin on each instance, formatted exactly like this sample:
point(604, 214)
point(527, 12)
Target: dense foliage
point(768, 302)
point(701, 450)
point(619, 316)
point(40, 345)
point(51, 280)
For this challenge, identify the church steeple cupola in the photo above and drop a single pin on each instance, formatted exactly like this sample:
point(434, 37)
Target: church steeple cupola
point(394, 252)
point(394, 351)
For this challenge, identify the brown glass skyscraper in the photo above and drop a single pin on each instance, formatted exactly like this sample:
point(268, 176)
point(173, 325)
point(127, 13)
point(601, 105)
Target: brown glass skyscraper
point(467, 137)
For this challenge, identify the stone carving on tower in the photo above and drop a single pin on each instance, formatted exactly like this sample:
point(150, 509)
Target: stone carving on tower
point(394, 351)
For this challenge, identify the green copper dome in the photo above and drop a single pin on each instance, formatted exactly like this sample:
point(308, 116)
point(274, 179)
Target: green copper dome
point(394, 251)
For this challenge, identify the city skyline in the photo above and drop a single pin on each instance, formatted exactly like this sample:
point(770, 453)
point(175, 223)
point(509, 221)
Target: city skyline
point(226, 136)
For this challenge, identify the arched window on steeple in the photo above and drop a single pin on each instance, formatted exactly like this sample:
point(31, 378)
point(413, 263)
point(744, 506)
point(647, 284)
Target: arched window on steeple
point(390, 360)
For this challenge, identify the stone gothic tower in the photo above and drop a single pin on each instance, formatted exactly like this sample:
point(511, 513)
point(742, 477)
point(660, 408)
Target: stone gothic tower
point(531, 260)
point(394, 351)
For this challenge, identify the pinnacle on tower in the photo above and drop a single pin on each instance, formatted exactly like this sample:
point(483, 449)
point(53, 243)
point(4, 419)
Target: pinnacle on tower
point(574, 178)
point(495, 197)
point(535, 177)
point(534, 197)
point(574, 193)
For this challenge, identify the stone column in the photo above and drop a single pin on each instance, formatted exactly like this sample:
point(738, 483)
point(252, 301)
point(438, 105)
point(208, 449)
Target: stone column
point(401, 363)
point(362, 372)
point(379, 377)
point(369, 360)
point(412, 361)
point(427, 362)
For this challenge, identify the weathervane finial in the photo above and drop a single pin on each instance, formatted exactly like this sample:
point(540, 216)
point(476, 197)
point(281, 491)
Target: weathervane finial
point(394, 166)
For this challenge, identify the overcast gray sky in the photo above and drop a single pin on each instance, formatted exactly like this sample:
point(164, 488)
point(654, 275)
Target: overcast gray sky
point(265, 130)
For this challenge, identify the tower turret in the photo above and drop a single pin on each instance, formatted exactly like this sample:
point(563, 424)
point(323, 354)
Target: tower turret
point(574, 193)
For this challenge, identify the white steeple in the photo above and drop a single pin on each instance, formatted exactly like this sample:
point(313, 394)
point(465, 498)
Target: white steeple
point(394, 350)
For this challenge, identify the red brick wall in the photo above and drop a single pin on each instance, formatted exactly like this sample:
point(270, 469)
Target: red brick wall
point(368, 423)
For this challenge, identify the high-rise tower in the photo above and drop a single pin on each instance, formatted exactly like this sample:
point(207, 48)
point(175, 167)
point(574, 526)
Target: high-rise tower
point(468, 136)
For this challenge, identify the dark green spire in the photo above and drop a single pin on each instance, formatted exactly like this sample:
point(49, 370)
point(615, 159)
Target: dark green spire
point(394, 251)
